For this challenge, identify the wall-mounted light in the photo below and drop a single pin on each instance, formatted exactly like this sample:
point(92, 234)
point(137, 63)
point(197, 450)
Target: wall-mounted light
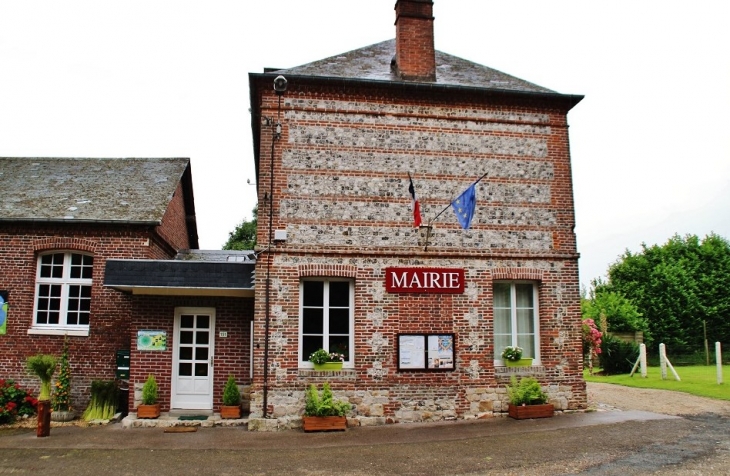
point(280, 84)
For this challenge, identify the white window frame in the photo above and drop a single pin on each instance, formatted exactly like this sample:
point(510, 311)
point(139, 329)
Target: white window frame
point(303, 359)
point(513, 317)
point(62, 328)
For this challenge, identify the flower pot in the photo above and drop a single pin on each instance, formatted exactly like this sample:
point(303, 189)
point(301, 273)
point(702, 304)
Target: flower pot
point(328, 366)
point(62, 415)
point(232, 411)
point(148, 411)
point(327, 423)
point(519, 363)
point(522, 412)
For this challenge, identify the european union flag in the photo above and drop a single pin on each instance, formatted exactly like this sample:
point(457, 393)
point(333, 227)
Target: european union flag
point(464, 206)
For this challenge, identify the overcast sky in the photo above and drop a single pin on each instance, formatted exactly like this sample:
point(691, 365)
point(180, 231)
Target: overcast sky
point(650, 143)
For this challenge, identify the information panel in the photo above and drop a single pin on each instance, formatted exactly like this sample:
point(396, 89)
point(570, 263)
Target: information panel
point(426, 352)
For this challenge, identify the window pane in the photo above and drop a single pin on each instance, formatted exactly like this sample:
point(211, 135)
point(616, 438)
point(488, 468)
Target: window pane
point(201, 353)
point(203, 322)
point(339, 321)
point(340, 344)
point(313, 321)
point(528, 345)
point(313, 293)
point(202, 337)
point(186, 321)
point(524, 295)
point(41, 317)
point(185, 369)
point(186, 337)
point(501, 295)
point(525, 322)
point(502, 321)
point(201, 370)
point(500, 342)
point(339, 294)
point(53, 317)
point(185, 353)
point(310, 344)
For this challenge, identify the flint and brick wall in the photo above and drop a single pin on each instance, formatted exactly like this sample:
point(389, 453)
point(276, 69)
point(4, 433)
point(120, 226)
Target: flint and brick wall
point(341, 193)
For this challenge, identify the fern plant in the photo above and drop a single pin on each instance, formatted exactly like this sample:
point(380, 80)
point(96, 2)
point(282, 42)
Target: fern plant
point(324, 405)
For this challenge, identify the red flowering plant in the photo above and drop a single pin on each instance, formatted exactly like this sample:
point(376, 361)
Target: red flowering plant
point(15, 401)
point(591, 342)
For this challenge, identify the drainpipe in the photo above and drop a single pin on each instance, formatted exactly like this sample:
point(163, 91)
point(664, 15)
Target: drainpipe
point(279, 88)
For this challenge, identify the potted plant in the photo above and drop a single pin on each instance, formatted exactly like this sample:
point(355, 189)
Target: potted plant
point(512, 356)
point(323, 360)
point(43, 366)
point(527, 399)
point(323, 413)
point(61, 397)
point(231, 407)
point(149, 407)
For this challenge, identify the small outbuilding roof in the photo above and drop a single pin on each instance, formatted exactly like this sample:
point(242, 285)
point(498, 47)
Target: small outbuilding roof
point(128, 190)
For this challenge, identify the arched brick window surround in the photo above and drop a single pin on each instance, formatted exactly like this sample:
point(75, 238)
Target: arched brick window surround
point(328, 270)
point(64, 243)
point(517, 274)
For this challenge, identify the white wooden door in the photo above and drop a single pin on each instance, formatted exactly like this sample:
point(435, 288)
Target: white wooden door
point(192, 375)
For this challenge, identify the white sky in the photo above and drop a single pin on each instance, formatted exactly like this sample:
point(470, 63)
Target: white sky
point(650, 142)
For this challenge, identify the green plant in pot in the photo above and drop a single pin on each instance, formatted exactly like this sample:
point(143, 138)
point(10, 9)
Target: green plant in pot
point(324, 360)
point(231, 407)
point(527, 399)
point(149, 407)
point(323, 412)
point(512, 357)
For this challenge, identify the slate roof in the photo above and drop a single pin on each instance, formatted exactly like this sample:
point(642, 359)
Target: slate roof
point(129, 190)
point(181, 277)
point(374, 63)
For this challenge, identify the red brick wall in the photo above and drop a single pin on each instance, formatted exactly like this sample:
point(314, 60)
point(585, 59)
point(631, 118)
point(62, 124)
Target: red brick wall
point(232, 315)
point(174, 230)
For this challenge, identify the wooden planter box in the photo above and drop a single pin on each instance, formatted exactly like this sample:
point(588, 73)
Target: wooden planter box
point(233, 411)
point(148, 411)
point(522, 412)
point(328, 423)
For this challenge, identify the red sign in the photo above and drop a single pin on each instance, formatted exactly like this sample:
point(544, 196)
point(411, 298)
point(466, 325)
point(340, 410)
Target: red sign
point(424, 280)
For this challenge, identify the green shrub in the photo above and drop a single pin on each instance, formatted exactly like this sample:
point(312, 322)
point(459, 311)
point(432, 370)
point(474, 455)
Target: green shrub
point(43, 366)
point(231, 394)
point(525, 391)
point(617, 356)
point(324, 405)
point(149, 391)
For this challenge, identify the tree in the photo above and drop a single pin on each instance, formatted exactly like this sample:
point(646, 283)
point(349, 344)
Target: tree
point(676, 287)
point(243, 237)
point(620, 314)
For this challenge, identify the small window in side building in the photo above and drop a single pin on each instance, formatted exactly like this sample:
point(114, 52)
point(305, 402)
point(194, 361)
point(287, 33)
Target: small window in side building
point(516, 319)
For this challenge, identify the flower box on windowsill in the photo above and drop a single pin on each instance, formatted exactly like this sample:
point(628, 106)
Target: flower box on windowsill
point(518, 363)
point(328, 366)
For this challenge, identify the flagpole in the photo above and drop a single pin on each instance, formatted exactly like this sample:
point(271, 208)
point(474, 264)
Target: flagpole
point(452, 201)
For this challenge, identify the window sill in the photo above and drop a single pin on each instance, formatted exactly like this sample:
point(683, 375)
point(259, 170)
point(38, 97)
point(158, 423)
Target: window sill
point(311, 374)
point(58, 332)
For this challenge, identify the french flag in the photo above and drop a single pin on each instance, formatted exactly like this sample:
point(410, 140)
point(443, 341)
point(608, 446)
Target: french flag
point(414, 204)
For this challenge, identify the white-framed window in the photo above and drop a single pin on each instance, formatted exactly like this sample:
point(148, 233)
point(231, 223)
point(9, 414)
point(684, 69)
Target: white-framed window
point(63, 293)
point(326, 318)
point(516, 320)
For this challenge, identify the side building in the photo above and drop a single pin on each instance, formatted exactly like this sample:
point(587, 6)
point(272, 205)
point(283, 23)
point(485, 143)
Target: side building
point(421, 314)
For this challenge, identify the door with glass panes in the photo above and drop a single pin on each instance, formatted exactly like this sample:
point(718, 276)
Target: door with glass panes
point(192, 375)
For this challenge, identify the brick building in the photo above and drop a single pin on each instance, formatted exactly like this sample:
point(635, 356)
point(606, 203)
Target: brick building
point(103, 252)
point(341, 265)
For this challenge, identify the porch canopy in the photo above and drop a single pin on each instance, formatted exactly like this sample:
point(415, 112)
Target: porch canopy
point(181, 278)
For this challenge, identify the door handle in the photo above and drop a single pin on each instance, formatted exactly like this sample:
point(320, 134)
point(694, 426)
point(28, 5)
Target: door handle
point(211, 361)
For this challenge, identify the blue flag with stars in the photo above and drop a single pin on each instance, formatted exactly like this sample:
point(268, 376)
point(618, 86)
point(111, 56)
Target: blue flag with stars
point(464, 206)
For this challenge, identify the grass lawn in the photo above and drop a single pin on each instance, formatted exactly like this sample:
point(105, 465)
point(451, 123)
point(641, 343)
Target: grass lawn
point(698, 380)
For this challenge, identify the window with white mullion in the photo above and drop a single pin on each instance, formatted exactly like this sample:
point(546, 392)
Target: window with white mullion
point(326, 317)
point(63, 290)
point(515, 318)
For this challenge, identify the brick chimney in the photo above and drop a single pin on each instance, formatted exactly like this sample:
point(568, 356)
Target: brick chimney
point(415, 58)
